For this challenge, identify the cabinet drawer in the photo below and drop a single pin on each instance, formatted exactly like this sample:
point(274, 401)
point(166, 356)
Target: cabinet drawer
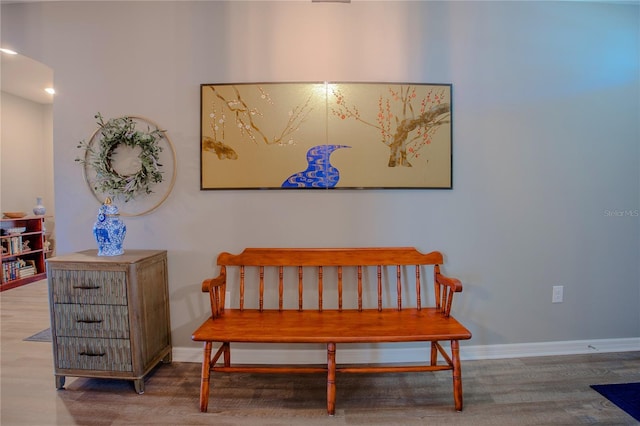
point(93, 354)
point(108, 321)
point(88, 287)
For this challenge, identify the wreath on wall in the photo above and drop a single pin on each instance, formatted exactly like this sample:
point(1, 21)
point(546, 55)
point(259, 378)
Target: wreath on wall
point(99, 153)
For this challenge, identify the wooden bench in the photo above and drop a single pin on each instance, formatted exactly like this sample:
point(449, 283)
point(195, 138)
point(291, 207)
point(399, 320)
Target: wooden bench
point(391, 276)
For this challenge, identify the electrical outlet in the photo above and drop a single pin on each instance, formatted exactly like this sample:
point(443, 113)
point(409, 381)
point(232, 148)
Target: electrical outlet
point(558, 294)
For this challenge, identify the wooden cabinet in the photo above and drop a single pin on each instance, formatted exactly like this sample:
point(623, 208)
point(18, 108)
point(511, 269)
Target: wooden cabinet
point(23, 251)
point(109, 314)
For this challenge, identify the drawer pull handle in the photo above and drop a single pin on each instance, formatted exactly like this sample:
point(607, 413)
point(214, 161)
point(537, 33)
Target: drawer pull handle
point(87, 287)
point(89, 321)
point(91, 354)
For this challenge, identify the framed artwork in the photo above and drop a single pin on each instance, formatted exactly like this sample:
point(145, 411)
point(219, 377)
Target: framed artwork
point(325, 135)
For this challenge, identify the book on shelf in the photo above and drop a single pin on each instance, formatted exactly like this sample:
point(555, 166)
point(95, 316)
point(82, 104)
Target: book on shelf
point(26, 271)
point(16, 245)
point(17, 269)
point(12, 246)
point(10, 271)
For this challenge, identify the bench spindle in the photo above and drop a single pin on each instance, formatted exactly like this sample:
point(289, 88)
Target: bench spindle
point(399, 286)
point(300, 279)
point(242, 287)
point(418, 299)
point(449, 301)
point(320, 288)
point(443, 302)
point(436, 287)
point(261, 288)
point(360, 288)
point(340, 288)
point(379, 287)
point(280, 287)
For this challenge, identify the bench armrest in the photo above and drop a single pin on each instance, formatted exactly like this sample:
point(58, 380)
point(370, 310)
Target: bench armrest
point(452, 283)
point(216, 287)
point(445, 287)
point(219, 281)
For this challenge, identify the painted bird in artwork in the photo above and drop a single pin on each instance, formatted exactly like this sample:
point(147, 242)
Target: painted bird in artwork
point(319, 173)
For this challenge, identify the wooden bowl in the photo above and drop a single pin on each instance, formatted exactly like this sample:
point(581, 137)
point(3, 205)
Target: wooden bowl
point(14, 215)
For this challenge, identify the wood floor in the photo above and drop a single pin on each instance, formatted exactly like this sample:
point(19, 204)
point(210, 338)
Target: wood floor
point(519, 391)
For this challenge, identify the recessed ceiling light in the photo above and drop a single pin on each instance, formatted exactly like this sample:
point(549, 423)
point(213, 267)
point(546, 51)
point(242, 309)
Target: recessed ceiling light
point(8, 51)
point(50, 90)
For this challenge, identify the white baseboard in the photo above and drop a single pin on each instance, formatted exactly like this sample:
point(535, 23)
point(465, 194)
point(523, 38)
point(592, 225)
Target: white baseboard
point(571, 347)
point(276, 354)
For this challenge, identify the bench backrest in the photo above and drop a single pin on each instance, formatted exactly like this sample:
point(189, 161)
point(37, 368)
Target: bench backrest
point(398, 258)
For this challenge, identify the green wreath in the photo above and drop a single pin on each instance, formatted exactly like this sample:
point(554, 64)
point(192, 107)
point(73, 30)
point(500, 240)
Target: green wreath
point(99, 157)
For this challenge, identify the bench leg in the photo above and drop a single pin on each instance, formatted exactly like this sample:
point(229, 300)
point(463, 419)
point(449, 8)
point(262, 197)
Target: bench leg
point(457, 374)
point(204, 379)
point(227, 354)
point(331, 378)
point(434, 353)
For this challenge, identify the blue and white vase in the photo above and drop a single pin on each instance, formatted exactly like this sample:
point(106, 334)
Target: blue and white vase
point(109, 230)
point(39, 209)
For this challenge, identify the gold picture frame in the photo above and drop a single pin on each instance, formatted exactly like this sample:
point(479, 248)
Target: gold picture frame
point(326, 135)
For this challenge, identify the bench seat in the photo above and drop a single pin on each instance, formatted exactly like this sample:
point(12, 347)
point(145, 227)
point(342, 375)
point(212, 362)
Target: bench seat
point(347, 326)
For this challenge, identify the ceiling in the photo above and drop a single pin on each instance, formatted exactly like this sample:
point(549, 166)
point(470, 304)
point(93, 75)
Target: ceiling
point(25, 77)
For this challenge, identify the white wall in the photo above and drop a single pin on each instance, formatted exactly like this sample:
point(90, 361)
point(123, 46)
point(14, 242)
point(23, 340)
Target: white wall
point(27, 154)
point(545, 126)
